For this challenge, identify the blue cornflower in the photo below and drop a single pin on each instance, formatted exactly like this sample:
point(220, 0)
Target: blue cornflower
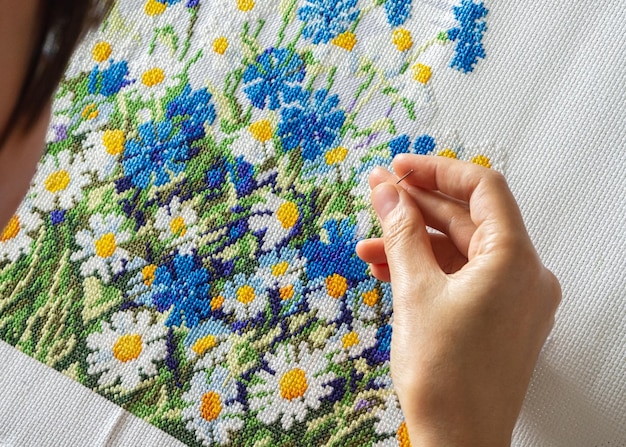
point(399, 145)
point(337, 256)
point(383, 342)
point(469, 34)
point(109, 81)
point(275, 75)
point(326, 19)
point(241, 175)
point(186, 288)
point(157, 154)
point(398, 11)
point(424, 144)
point(313, 124)
point(195, 108)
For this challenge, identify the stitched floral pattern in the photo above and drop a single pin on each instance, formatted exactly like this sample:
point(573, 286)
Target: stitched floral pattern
point(187, 246)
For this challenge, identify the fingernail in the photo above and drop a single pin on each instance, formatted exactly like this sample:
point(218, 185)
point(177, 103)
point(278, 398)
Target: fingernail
point(384, 199)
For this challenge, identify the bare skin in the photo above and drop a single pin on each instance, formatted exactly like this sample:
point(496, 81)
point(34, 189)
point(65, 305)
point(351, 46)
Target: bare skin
point(472, 307)
point(21, 150)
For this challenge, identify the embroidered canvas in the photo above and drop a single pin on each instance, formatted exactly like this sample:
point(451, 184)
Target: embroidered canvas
point(187, 247)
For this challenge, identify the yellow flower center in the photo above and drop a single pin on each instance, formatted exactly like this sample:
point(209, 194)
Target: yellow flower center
point(287, 292)
point(336, 285)
point(422, 73)
point(11, 230)
point(336, 156)
point(128, 347)
point(371, 298)
point(57, 181)
point(403, 436)
point(220, 45)
point(204, 344)
point(106, 246)
point(447, 153)
point(482, 161)
point(345, 40)
point(350, 339)
point(177, 226)
point(261, 130)
point(287, 214)
point(101, 51)
point(154, 8)
point(113, 141)
point(148, 273)
point(280, 268)
point(90, 112)
point(211, 406)
point(245, 5)
point(402, 39)
point(293, 384)
point(217, 302)
point(246, 294)
point(153, 77)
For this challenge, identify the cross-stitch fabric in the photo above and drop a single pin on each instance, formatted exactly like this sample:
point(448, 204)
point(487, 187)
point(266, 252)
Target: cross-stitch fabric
point(187, 247)
point(550, 93)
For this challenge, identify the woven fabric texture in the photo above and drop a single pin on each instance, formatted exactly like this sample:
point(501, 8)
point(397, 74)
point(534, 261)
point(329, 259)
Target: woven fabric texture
point(187, 247)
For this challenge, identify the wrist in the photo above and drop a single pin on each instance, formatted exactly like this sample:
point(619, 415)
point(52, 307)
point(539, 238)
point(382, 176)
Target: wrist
point(451, 425)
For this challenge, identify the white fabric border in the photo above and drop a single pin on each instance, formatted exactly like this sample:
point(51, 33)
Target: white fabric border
point(552, 96)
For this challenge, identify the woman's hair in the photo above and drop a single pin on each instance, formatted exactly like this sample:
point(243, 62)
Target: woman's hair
point(62, 24)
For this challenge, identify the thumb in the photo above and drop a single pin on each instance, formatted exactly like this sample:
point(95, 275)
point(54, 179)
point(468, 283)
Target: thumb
point(412, 263)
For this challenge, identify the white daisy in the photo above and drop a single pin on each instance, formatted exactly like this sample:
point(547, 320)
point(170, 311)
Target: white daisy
point(374, 32)
point(14, 238)
point(278, 216)
point(214, 413)
point(150, 20)
point(338, 164)
point(91, 113)
point(177, 222)
point(256, 142)
point(391, 421)
point(297, 385)
point(414, 106)
point(59, 181)
point(155, 73)
point(127, 349)
point(209, 342)
point(141, 287)
point(105, 148)
point(350, 341)
point(281, 267)
point(100, 246)
point(87, 55)
point(246, 296)
point(405, 43)
point(326, 295)
point(221, 49)
point(370, 300)
point(222, 41)
point(336, 53)
point(234, 14)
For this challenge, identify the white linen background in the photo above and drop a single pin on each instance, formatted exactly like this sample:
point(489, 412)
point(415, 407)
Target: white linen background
point(552, 95)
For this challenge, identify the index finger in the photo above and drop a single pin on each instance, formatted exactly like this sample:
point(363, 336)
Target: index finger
point(486, 191)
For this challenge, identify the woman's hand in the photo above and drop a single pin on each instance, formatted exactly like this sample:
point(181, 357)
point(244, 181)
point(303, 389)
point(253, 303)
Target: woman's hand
point(472, 306)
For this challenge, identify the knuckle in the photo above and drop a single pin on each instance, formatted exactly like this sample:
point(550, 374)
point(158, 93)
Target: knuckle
point(396, 229)
point(495, 177)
